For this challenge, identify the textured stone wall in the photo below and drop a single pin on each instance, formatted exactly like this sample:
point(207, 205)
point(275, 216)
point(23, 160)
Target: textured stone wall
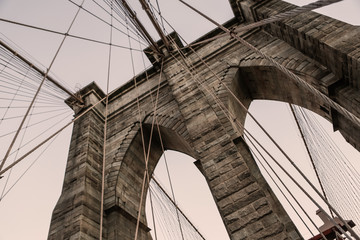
point(76, 215)
point(332, 43)
point(193, 116)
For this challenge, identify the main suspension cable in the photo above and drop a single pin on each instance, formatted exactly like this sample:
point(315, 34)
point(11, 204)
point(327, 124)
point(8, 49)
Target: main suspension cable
point(102, 20)
point(64, 34)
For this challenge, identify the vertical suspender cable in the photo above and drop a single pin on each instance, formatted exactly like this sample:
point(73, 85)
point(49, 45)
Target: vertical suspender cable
point(152, 126)
point(177, 207)
point(150, 192)
point(170, 182)
point(309, 154)
point(142, 137)
point(105, 130)
point(17, 152)
point(146, 173)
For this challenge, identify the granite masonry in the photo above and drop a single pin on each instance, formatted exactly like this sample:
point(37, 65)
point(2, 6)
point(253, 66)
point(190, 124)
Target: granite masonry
point(192, 115)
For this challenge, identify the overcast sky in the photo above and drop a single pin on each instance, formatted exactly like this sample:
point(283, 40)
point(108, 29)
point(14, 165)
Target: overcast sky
point(25, 212)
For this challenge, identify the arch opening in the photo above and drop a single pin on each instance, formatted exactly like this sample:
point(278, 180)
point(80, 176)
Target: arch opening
point(277, 119)
point(191, 189)
point(261, 88)
point(193, 198)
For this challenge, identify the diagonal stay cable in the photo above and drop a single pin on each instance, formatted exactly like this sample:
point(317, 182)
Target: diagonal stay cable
point(340, 174)
point(34, 124)
point(218, 102)
point(7, 109)
point(46, 75)
point(152, 128)
point(42, 133)
point(278, 187)
point(287, 189)
point(149, 146)
point(17, 152)
point(250, 136)
point(64, 34)
point(102, 20)
point(169, 178)
point(38, 90)
point(27, 55)
point(51, 136)
point(12, 80)
point(155, 121)
point(3, 195)
point(23, 95)
point(32, 114)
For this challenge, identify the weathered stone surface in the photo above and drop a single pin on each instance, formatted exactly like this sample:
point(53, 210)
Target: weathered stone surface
point(199, 116)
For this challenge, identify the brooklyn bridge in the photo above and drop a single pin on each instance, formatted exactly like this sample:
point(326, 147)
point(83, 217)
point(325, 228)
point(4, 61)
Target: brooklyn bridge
point(132, 92)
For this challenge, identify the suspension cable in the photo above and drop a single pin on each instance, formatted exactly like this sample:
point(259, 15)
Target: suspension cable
point(132, 16)
point(159, 12)
point(155, 23)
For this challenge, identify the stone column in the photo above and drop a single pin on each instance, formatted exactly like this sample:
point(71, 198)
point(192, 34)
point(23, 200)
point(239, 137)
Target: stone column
point(77, 213)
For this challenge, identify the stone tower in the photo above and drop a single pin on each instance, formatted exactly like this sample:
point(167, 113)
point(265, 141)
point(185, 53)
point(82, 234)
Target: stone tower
point(322, 51)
